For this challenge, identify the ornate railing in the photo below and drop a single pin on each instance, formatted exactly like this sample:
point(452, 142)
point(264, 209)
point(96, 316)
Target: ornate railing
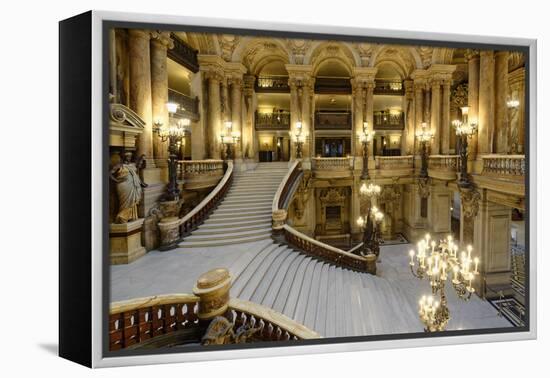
point(272, 83)
point(389, 87)
point(272, 121)
point(332, 163)
point(184, 54)
point(199, 213)
point(136, 322)
point(389, 120)
point(188, 106)
point(199, 174)
point(325, 252)
point(332, 85)
point(504, 165)
point(394, 162)
point(333, 120)
point(443, 162)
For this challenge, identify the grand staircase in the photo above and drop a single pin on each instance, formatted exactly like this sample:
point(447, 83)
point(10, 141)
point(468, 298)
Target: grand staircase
point(245, 214)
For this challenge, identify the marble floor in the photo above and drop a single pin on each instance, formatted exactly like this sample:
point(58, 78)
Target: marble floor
point(314, 293)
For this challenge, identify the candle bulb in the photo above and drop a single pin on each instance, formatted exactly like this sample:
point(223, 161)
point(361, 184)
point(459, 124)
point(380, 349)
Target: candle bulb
point(469, 248)
point(455, 275)
point(476, 263)
point(411, 253)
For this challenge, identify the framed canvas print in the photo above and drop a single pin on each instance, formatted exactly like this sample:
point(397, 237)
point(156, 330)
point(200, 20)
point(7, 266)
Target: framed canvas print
point(234, 189)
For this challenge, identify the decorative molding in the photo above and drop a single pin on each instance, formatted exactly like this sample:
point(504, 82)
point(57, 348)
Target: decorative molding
point(470, 202)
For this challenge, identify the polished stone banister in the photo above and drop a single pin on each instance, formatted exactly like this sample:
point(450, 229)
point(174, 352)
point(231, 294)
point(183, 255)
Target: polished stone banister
point(315, 248)
point(194, 167)
point(394, 162)
point(443, 162)
point(504, 165)
point(329, 163)
point(135, 321)
point(199, 213)
point(284, 186)
point(356, 248)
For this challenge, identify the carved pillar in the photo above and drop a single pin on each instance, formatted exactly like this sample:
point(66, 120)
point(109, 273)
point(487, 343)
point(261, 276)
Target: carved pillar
point(473, 97)
point(249, 130)
point(140, 88)
point(427, 103)
point(370, 110)
point(236, 113)
point(214, 114)
point(502, 129)
point(407, 141)
point(212, 288)
point(517, 115)
point(435, 121)
point(307, 118)
point(358, 95)
point(160, 43)
point(446, 117)
point(295, 113)
point(486, 124)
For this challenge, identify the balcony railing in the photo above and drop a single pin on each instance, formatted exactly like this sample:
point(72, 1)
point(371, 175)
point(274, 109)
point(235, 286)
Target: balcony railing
point(272, 121)
point(332, 85)
point(443, 167)
point(200, 174)
point(512, 166)
point(184, 54)
point(333, 120)
point(188, 106)
point(272, 83)
point(384, 120)
point(389, 87)
point(394, 166)
point(332, 167)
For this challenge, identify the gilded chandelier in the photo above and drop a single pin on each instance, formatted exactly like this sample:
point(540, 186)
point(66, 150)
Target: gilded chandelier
point(438, 262)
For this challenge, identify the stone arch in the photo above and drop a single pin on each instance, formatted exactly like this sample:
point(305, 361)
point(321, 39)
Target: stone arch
point(442, 55)
point(323, 51)
point(254, 53)
point(402, 57)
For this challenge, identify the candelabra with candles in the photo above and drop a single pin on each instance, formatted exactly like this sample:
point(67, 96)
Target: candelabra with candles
point(424, 136)
point(228, 138)
point(365, 136)
point(437, 262)
point(299, 139)
point(174, 134)
point(370, 221)
point(464, 130)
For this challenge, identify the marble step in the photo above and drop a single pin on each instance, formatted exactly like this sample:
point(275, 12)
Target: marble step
point(242, 281)
point(234, 215)
point(300, 278)
point(241, 205)
point(225, 230)
point(228, 235)
point(317, 316)
point(261, 290)
point(330, 327)
point(250, 221)
point(218, 243)
point(283, 295)
point(303, 295)
point(278, 279)
point(240, 197)
point(250, 251)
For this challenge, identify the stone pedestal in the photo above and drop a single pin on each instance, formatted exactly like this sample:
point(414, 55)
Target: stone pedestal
point(169, 233)
point(371, 263)
point(125, 242)
point(213, 289)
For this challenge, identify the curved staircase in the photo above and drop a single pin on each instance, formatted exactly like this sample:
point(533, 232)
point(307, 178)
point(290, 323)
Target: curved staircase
point(245, 213)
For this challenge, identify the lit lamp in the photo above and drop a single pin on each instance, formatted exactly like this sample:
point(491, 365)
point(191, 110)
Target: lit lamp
point(174, 134)
point(229, 137)
point(439, 262)
point(369, 223)
point(464, 130)
point(299, 139)
point(365, 136)
point(424, 136)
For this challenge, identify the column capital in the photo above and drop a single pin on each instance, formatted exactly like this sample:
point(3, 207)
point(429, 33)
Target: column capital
point(441, 72)
point(162, 39)
point(234, 70)
point(419, 78)
point(471, 54)
point(300, 75)
point(139, 33)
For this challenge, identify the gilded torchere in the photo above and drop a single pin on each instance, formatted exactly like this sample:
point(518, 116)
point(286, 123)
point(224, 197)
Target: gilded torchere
point(464, 129)
point(365, 136)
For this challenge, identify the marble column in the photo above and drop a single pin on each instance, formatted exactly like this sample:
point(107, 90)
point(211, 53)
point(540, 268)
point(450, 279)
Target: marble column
point(214, 114)
point(370, 111)
point(236, 113)
point(307, 119)
point(140, 88)
point(486, 126)
point(435, 120)
point(295, 113)
point(427, 104)
point(517, 115)
point(249, 130)
point(473, 97)
point(418, 105)
point(407, 140)
point(160, 43)
point(502, 129)
point(446, 117)
point(358, 95)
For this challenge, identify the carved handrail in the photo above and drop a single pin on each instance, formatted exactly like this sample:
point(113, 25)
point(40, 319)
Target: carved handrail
point(356, 248)
point(394, 162)
point(199, 213)
point(443, 162)
point(285, 185)
point(504, 165)
point(276, 326)
point(323, 251)
point(134, 321)
point(198, 167)
point(332, 163)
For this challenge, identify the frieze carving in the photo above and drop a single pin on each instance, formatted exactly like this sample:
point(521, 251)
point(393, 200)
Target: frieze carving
point(333, 197)
point(459, 96)
point(470, 202)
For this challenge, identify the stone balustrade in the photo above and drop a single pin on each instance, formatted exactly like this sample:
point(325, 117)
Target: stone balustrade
point(504, 165)
point(332, 167)
point(394, 166)
point(443, 167)
point(200, 174)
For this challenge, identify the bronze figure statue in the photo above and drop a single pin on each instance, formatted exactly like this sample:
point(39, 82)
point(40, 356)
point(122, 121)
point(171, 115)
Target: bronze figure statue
point(129, 187)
